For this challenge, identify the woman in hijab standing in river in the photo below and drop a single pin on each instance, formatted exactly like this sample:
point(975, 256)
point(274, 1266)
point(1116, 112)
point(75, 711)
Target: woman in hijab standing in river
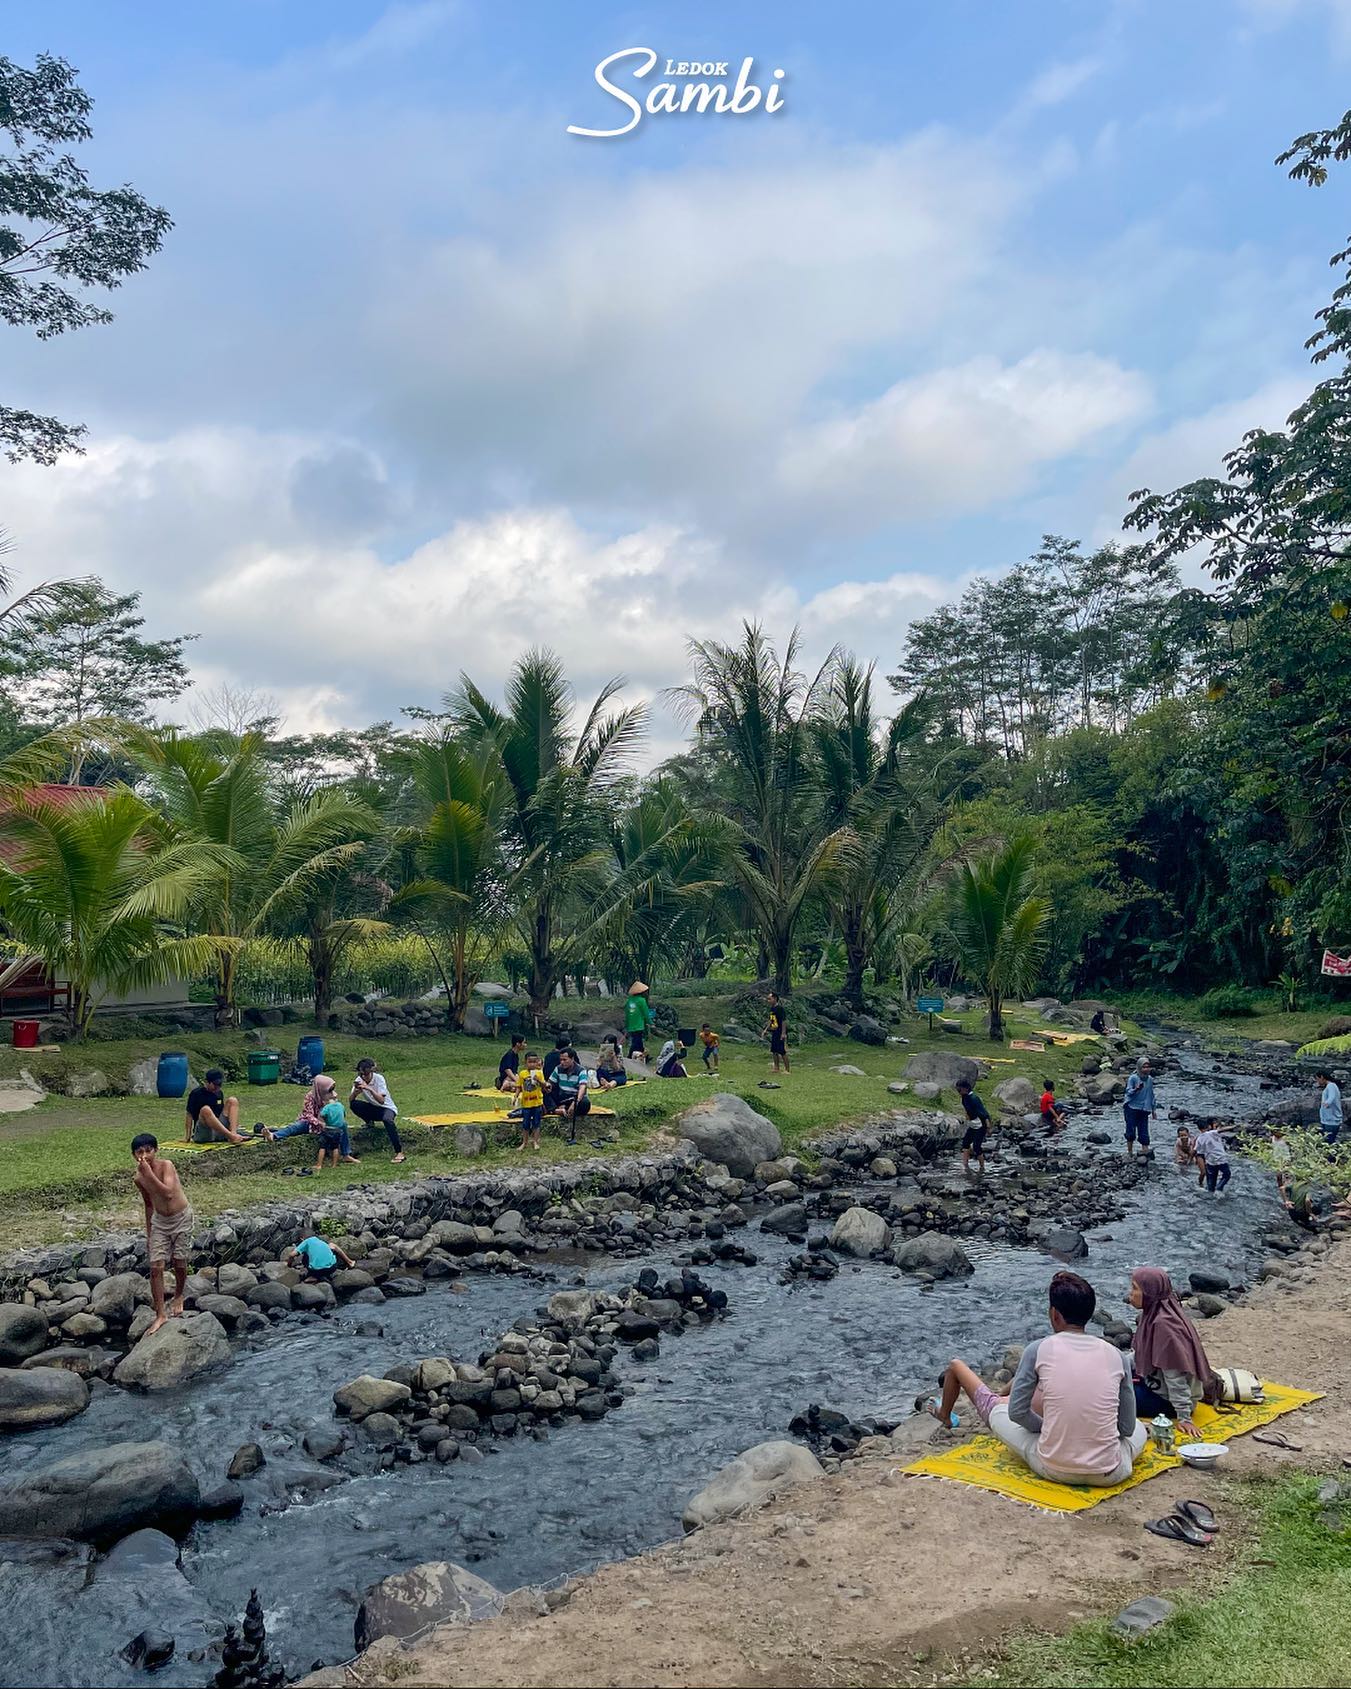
point(1172, 1373)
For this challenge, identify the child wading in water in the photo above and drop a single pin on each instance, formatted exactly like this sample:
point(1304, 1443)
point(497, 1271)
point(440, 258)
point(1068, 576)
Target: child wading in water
point(530, 1097)
point(168, 1223)
point(973, 1141)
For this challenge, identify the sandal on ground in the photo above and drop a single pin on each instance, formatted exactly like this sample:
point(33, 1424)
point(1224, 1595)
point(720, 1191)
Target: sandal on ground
point(770, 1085)
point(1277, 1440)
point(1178, 1529)
point(1200, 1516)
point(304, 1172)
point(259, 1129)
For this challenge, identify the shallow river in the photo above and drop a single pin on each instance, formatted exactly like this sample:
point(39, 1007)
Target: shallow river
point(537, 1511)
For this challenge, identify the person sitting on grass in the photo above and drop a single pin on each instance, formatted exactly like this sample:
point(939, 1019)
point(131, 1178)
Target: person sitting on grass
point(308, 1119)
point(711, 1042)
point(1212, 1157)
point(1052, 1116)
point(168, 1223)
point(317, 1258)
point(372, 1103)
point(210, 1115)
point(510, 1064)
point(671, 1063)
point(333, 1139)
point(555, 1055)
point(530, 1101)
point(1070, 1414)
point(1184, 1150)
point(973, 1139)
point(610, 1069)
point(1172, 1373)
point(569, 1092)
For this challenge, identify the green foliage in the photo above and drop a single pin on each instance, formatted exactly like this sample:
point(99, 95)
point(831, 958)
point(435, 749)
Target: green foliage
point(277, 970)
point(59, 236)
point(996, 923)
point(1229, 1002)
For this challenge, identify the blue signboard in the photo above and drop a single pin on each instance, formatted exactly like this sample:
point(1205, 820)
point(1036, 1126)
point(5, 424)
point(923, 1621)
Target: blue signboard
point(497, 1010)
point(930, 1005)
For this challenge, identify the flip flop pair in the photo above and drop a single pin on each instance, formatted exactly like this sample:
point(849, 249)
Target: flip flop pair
point(1191, 1522)
point(1277, 1440)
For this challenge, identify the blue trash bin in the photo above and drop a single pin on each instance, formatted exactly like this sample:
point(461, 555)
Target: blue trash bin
point(310, 1054)
point(171, 1076)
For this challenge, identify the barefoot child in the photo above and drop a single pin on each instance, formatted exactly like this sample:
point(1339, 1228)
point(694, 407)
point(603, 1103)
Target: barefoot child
point(317, 1259)
point(1184, 1150)
point(530, 1097)
point(168, 1222)
point(710, 1040)
point(979, 1116)
point(333, 1139)
point(1052, 1115)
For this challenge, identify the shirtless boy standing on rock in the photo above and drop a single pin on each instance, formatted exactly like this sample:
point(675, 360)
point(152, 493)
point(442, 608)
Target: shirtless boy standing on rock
point(168, 1223)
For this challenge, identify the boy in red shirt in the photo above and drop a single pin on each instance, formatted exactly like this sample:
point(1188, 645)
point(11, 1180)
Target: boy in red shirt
point(1052, 1118)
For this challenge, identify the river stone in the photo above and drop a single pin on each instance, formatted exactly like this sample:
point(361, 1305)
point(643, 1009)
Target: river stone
point(771, 1172)
point(1205, 1280)
point(102, 1494)
point(84, 1359)
point(23, 1331)
point(572, 1308)
point(348, 1280)
point(1018, 1095)
point(1208, 1306)
point(882, 1167)
point(229, 1310)
point(1064, 1242)
point(322, 1444)
point(270, 1295)
point(859, 1231)
point(1102, 1087)
point(247, 1459)
point(927, 1090)
point(751, 1479)
point(367, 1395)
point(180, 1350)
point(116, 1298)
point(313, 1298)
point(149, 1650)
point(45, 1396)
point(81, 1327)
point(727, 1129)
point(433, 1373)
point(931, 1252)
point(788, 1221)
point(434, 1593)
point(941, 1067)
point(382, 1429)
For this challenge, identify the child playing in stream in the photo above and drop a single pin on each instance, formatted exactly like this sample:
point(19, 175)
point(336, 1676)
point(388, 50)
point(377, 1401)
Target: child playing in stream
point(1212, 1157)
point(168, 1223)
point(973, 1141)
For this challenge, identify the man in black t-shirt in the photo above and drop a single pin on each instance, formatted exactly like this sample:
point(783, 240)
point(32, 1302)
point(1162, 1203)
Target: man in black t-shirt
point(777, 1028)
point(211, 1115)
point(973, 1140)
point(553, 1056)
point(510, 1064)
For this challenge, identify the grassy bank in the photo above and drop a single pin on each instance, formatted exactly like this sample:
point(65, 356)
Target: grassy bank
point(1277, 1617)
point(65, 1165)
point(1268, 1021)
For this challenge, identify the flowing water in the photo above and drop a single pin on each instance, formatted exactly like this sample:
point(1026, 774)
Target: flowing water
point(537, 1511)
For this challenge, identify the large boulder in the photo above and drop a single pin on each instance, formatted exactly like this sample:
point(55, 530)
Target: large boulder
point(572, 1308)
point(867, 1030)
point(941, 1067)
point(23, 1331)
point(437, 1592)
point(102, 1494)
point(725, 1128)
point(117, 1297)
point(367, 1395)
point(1102, 1087)
point(1018, 1095)
point(45, 1396)
point(932, 1253)
point(751, 1479)
point(179, 1351)
point(859, 1231)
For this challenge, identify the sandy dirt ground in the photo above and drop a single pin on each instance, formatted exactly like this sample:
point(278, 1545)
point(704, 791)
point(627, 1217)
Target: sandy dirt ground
point(868, 1577)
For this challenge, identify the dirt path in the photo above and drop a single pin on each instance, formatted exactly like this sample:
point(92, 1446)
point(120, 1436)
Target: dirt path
point(868, 1577)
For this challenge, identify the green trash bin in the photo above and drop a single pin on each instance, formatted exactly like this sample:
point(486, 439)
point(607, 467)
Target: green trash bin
point(264, 1067)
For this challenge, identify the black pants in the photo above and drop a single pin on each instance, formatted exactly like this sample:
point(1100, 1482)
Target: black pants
point(374, 1115)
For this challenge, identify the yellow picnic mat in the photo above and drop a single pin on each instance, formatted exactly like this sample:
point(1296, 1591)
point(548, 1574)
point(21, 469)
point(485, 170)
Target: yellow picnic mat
point(986, 1463)
point(477, 1119)
point(205, 1149)
point(1067, 1037)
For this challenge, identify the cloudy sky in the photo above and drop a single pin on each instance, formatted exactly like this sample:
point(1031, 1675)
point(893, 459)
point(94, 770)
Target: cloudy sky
point(421, 379)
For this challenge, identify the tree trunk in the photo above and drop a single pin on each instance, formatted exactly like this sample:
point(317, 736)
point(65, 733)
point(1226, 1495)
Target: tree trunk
point(783, 963)
point(856, 958)
point(321, 971)
point(996, 1017)
point(543, 963)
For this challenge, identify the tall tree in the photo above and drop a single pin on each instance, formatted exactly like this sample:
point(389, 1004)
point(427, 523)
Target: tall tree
point(756, 715)
point(556, 794)
point(59, 236)
point(996, 923)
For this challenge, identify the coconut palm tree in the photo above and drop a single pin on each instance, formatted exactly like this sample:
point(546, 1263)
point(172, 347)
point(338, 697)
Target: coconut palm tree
point(996, 923)
point(101, 891)
point(271, 851)
point(556, 788)
point(755, 715)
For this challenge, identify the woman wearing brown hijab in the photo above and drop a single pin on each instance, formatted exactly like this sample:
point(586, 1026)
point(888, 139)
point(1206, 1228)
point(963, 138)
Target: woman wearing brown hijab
point(1172, 1373)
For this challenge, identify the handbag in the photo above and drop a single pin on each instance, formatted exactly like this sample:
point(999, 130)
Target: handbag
point(1238, 1385)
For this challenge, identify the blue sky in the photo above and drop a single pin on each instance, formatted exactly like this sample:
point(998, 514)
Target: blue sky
point(420, 378)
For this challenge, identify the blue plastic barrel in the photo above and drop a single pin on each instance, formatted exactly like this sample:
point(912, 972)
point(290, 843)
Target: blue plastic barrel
point(310, 1054)
point(171, 1076)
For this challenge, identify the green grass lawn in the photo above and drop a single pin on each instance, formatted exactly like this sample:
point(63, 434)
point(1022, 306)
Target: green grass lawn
point(1279, 1617)
point(65, 1166)
point(1298, 1027)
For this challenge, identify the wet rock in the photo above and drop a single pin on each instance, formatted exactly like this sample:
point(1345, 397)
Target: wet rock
point(435, 1593)
point(788, 1221)
point(1063, 1242)
point(941, 1067)
point(247, 1459)
point(381, 1429)
point(1206, 1279)
point(882, 1167)
point(179, 1351)
point(226, 1501)
point(23, 1331)
point(149, 1650)
point(1102, 1088)
point(139, 1553)
point(859, 1231)
point(43, 1396)
point(749, 1480)
point(229, 1310)
point(323, 1444)
point(367, 1395)
point(572, 1308)
point(932, 1253)
point(727, 1129)
point(102, 1494)
point(71, 1357)
point(784, 1167)
point(271, 1295)
point(1099, 1138)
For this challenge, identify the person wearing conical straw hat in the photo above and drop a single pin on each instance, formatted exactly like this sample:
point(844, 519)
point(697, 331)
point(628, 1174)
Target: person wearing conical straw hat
point(639, 1015)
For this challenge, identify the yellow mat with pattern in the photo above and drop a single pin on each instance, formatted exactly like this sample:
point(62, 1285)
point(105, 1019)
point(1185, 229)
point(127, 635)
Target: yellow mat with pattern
point(1067, 1037)
point(206, 1149)
point(498, 1115)
point(986, 1463)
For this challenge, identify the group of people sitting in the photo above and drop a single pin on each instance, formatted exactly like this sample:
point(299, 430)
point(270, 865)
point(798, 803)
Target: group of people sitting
point(557, 1085)
point(1074, 1409)
point(211, 1116)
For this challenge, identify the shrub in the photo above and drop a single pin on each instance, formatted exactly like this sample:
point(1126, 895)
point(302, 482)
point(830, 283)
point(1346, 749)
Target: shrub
point(1228, 1002)
point(1337, 1027)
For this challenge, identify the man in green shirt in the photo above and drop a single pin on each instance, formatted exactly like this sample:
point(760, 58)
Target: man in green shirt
point(639, 1015)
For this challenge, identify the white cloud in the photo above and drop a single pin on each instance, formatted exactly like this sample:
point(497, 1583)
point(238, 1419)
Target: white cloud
point(1058, 83)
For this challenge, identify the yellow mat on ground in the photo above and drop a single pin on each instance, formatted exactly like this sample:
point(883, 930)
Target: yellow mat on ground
point(481, 1119)
point(986, 1463)
point(1067, 1037)
point(206, 1149)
